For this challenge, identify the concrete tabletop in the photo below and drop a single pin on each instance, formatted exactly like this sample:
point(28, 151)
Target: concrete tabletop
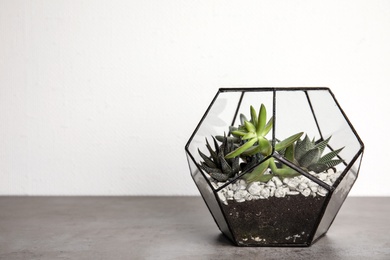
point(169, 228)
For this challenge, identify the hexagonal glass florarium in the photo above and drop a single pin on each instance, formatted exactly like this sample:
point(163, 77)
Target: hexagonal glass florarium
point(274, 165)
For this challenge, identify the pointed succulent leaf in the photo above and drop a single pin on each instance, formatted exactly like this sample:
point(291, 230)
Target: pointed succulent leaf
point(264, 146)
point(261, 120)
point(207, 160)
point(333, 163)
point(318, 167)
point(253, 116)
point(209, 169)
point(299, 149)
point(249, 126)
point(289, 153)
point(219, 138)
point(321, 145)
point(329, 156)
point(288, 141)
point(259, 177)
point(307, 143)
point(282, 152)
point(248, 136)
point(235, 165)
point(258, 173)
point(219, 176)
point(239, 133)
point(252, 150)
point(226, 169)
point(302, 147)
point(286, 173)
point(216, 145)
point(225, 146)
point(243, 119)
point(241, 149)
point(282, 172)
point(213, 154)
point(267, 127)
point(310, 157)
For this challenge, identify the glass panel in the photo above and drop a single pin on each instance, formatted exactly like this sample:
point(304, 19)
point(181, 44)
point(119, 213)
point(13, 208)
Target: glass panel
point(255, 99)
point(293, 115)
point(216, 121)
point(333, 123)
point(210, 199)
point(337, 198)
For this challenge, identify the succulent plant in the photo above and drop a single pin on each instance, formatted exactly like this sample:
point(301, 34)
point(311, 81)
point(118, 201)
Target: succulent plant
point(254, 132)
point(220, 168)
point(255, 146)
point(248, 145)
point(308, 155)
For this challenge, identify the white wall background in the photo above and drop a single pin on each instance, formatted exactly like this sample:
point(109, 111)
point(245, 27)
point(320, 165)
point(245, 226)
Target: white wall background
point(100, 97)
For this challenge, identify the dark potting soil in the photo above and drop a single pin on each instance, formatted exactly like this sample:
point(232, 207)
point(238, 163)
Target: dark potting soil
point(274, 221)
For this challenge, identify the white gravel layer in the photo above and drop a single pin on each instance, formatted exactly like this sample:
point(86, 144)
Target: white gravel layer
point(241, 191)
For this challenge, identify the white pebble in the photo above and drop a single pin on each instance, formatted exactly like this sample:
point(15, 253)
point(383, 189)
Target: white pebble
point(256, 197)
point(322, 176)
point(270, 183)
point(254, 188)
point(229, 194)
point(221, 196)
point(333, 178)
point(322, 191)
point(265, 193)
point(292, 184)
point(272, 191)
point(302, 186)
point(306, 192)
point(277, 181)
point(239, 196)
point(241, 184)
point(248, 197)
point(280, 192)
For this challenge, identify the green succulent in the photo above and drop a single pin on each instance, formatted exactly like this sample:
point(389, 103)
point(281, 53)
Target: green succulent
point(308, 155)
point(219, 167)
point(283, 171)
point(255, 146)
point(253, 133)
point(248, 144)
point(304, 153)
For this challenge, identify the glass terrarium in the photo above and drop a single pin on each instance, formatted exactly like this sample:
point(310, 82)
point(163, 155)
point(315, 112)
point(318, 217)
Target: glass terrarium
point(274, 165)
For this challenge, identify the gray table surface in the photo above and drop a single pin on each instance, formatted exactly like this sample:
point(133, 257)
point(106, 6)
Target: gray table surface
point(168, 228)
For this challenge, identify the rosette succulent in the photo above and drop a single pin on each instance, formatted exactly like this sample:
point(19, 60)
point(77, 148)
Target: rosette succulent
point(219, 167)
point(308, 155)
